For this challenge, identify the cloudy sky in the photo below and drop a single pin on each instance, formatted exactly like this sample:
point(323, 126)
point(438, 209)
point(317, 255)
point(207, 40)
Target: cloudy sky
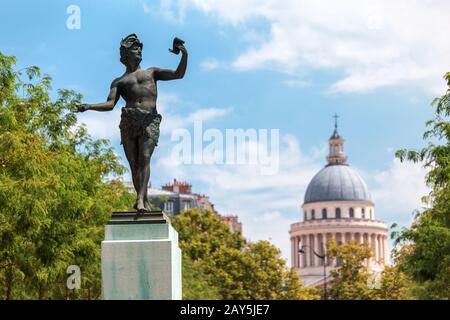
point(267, 64)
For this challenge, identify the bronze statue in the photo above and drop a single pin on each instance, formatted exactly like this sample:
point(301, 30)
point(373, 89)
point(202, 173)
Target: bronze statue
point(139, 125)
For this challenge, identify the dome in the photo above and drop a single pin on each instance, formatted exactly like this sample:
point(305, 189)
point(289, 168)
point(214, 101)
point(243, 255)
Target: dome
point(337, 183)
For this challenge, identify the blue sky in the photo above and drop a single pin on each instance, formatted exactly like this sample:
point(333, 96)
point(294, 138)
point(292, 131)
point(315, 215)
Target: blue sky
point(287, 65)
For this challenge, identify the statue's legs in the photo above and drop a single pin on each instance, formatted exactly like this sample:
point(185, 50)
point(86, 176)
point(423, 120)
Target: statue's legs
point(139, 132)
point(130, 146)
point(146, 148)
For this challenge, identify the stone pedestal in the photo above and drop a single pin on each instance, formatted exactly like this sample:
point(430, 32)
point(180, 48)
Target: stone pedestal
point(141, 259)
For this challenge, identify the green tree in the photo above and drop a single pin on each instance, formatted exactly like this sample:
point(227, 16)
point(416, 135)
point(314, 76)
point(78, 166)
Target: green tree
point(294, 289)
point(54, 193)
point(427, 260)
point(350, 277)
point(232, 267)
point(256, 272)
point(353, 280)
point(394, 285)
point(197, 283)
point(202, 233)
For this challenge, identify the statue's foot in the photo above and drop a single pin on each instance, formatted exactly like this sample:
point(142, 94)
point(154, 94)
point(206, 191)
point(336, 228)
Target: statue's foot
point(140, 208)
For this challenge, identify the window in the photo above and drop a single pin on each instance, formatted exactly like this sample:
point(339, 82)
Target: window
point(338, 213)
point(313, 214)
point(186, 205)
point(352, 213)
point(324, 213)
point(168, 206)
point(363, 213)
point(371, 214)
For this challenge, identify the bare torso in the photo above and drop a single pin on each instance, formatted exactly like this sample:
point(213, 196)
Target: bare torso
point(139, 89)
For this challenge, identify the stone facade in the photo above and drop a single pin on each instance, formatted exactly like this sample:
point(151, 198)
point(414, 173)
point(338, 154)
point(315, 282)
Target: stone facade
point(315, 233)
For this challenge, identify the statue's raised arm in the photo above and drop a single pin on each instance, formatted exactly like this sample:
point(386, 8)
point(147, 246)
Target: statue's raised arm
point(164, 74)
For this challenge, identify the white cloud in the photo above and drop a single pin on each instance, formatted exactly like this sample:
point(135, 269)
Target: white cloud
point(297, 83)
point(174, 11)
point(209, 64)
point(372, 43)
point(268, 216)
point(174, 121)
point(102, 125)
point(398, 191)
point(145, 6)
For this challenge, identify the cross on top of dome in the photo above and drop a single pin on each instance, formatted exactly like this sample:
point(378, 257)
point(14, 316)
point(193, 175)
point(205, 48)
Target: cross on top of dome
point(335, 132)
point(336, 153)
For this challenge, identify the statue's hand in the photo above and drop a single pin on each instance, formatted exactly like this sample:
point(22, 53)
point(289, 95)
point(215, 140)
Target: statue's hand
point(83, 107)
point(177, 46)
point(182, 49)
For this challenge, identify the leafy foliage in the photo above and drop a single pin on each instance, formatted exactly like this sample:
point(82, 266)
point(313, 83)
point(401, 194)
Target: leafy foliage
point(427, 259)
point(351, 277)
point(231, 267)
point(54, 197)
point(202, 233)
point(196, 281)
point(394, 285)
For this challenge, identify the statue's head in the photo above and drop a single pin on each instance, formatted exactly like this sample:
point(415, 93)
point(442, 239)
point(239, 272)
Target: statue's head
point(131, 50)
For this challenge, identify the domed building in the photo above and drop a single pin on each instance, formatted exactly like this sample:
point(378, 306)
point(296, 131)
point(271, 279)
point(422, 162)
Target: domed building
point(338, 205)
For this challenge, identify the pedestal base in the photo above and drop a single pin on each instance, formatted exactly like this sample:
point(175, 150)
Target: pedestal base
point(141, 259)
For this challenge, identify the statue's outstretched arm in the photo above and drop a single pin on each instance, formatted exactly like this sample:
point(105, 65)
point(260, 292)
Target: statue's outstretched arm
point(111, 101)
point(164, 74)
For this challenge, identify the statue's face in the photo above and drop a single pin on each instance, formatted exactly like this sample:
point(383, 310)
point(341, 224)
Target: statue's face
point(134, 53)
point(131, 47)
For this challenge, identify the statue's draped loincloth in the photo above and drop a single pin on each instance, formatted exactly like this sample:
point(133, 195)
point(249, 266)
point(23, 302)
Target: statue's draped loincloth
point(136, 122)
